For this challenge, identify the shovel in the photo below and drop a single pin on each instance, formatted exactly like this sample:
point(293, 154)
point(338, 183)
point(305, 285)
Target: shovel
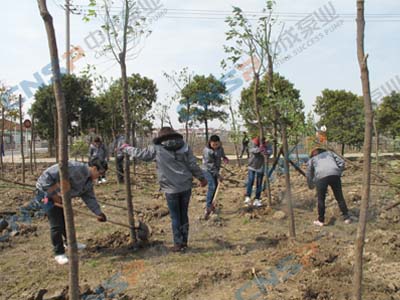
point(143, 231)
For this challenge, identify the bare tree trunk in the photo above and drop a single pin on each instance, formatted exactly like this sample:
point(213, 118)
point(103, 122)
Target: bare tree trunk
point(34, 142)
point(55, 132)
point(63, 154)
point(22, 138)
point(206, 129)
point(361, 231)
point(257, 105)
point(235, 131)
point(275, 139)
point(342, 151)
point(270, 85)
point(12, 151)
point(30, 155)
point(187, 121)
point(3, 147)
point(127, 123)
point(292, 229)
point(376, 146)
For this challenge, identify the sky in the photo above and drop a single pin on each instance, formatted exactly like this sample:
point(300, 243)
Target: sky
point(317, 49)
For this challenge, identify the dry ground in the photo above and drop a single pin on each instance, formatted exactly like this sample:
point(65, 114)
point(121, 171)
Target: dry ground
point(238, 254)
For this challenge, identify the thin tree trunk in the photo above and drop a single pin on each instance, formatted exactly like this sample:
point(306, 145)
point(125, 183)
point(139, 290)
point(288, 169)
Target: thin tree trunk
point(55, 143)
point(270, 85)
point(3, 147)
point(376, 146)
point(275, 139)
point(342, 150)
point(34, 142)
point(234, 130)
point(21, 138)
point(292, 229)
point(206, 129)
point(63, 154)
point(13, 144)
point(127, 123)
point(361, 230)
point(30, 155)
point(187, 121)
point(257, 105)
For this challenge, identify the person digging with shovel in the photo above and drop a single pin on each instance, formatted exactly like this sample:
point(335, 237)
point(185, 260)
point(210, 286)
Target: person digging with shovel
point(213, 153)
point(176, 166)
point(324, 169)
point(81, 177)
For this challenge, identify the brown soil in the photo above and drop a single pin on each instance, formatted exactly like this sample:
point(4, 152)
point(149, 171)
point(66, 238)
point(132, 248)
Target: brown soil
point(240, 253)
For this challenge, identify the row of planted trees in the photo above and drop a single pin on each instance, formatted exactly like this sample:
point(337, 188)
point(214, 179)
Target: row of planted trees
point(271, 102)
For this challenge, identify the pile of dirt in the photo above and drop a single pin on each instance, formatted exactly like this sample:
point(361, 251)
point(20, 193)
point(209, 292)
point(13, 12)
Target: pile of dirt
point(99, 292)
point(155, 212)
point(114, 240)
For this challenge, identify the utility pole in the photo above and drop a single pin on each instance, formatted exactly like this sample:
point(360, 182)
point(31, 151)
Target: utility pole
point(67, 34)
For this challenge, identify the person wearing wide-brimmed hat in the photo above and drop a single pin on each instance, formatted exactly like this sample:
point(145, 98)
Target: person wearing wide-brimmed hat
point(325, 169)
point(176, 166)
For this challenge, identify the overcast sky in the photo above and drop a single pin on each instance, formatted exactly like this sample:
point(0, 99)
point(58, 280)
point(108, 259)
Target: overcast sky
point(192, 33)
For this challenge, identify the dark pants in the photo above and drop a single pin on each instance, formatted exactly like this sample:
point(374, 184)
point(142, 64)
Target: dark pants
point(57, 229)
point(212, 187)
point(120, 169)
point(178, 205)
point(245, 147)
point(250, 182)
point(322, 186)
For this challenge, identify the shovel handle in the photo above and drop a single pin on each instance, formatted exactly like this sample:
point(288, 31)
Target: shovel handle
point(92, 216)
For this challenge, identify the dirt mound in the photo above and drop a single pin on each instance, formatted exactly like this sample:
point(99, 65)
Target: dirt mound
point(114, 240)
point(155, 212)
point(86, 292)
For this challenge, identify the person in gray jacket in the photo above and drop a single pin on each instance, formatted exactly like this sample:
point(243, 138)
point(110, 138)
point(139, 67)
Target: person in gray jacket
point(98, 150)
point(324, 169)
point(48, 190)
point(176, 166)
point(213, 153)
point(256, 169)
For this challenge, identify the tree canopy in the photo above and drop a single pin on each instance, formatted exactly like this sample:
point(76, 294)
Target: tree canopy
point(342, 113)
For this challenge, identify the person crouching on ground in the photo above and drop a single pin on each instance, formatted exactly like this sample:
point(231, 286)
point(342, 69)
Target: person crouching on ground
point(256, 170)
point(325, 169)
point(176, 166)
point(81, 177)
point(98, 150)
point(213, 153)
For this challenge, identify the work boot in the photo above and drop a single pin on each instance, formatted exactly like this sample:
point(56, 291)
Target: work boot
point(61, 259)
point(207, 213)
point(176, 248)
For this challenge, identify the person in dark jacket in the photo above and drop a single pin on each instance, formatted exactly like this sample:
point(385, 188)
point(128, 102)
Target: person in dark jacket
point(81, 177)
point(98, 150)
point(213, 153)
point(119, 156)
point(256, 169)
point(324, 169)
point(176, 166)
